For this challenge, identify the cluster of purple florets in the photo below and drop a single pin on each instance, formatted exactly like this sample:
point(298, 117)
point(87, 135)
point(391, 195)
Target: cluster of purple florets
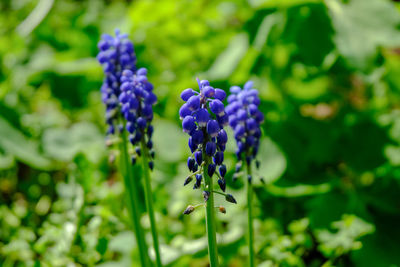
point(204, 118)
point(245, 119)
point(116, 55)
point(137, 100)
point(126, 92)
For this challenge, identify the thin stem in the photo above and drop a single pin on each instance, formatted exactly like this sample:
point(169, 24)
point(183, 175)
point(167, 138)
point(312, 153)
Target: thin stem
point(250, 218)
point(149, 200)
point(132, 189)
point(210, 215)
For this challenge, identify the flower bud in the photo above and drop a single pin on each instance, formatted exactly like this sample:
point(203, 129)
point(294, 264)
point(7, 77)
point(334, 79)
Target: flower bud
point(222, 209)
point(198, 157)
point(222, 184)
point(230, 198)
point(211, 169)
point(186, 94)
point(222, 170)
point(220, 94)
point(188, 180)
point(206, 195)
point(188, 210)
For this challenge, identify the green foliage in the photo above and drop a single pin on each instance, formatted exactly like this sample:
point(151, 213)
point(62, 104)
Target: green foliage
point(329, 79)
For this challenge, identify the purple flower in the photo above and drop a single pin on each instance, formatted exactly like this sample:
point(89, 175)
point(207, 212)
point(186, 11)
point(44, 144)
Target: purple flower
point(184, 111)
point(126, 91)
point(198, 155)
point(211, 147)
point(213, 128)
point(193, 102)
point(186, 94)
point(188, 124)
point(204, 117)
point(222, 184)
point(220, 94)
point(245, 119)
point(217, 107)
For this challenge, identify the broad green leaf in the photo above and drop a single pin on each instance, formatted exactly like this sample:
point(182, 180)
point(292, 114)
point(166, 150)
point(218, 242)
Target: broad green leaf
point(123, 242)
point(273, 161)
point(227, 61)
point(167, 138)
point(298, 190)
point(307, 90)
point(280, 3)
point(6, 161)
point(361, 27)
point(13, 142)
point(65, 144)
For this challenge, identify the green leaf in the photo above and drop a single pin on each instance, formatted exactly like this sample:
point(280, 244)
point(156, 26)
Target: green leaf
point(227, 61)
point(123, 242)
point(344, 240)
point(280, 3)
point(65, 144)
point(6, 161)
point(14, 143)
point(361, 27)
point(299, 190)
point(273, 161)
point(166, 138)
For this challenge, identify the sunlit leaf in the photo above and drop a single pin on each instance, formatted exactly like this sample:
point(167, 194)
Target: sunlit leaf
point(18, 145)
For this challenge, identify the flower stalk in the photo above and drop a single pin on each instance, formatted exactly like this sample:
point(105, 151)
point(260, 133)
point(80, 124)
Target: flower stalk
point(132, 189)
point(245, 119)
point(210, 216)
point(250, 231)
point(149, 201)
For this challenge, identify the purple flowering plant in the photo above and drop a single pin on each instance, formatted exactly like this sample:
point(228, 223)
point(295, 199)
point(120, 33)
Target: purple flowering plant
point(245, 119)
point(203, 119)
point(128, 97)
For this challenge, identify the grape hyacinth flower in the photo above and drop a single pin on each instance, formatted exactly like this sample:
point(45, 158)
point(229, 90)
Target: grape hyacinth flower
point(245, 119)
point(204, 118)
point(129, 100)
point(116, 55)
point(137, 100)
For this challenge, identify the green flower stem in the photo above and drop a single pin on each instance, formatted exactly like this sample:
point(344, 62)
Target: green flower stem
point(132, 189)
point(210, 215)
point(149, 200)
point(250, 218)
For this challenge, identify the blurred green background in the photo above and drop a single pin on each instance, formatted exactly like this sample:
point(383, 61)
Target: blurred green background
point(328, 73)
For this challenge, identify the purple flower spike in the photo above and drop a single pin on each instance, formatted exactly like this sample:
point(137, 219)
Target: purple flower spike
point(203, 118)
point(245, 119)
point(126, 91)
